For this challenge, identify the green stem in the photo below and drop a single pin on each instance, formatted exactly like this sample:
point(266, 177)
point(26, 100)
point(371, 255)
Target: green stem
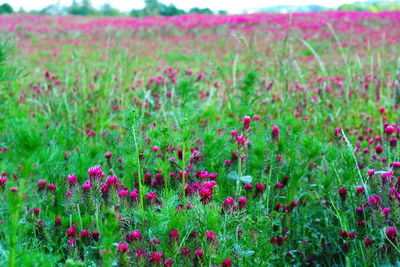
point(348, 261)
point(79, 215)
point(239, 174)
point(166, 175)
point(14, 205)
point(139, 169)
point(13, 239)
point(183, 172)
point(11, 259)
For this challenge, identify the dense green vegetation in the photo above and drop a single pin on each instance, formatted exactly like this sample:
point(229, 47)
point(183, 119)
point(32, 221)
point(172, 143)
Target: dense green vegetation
point(200, 140)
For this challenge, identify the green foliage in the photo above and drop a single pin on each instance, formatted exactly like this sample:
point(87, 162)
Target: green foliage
point(6, 9)
point(84, 8)
point(8, 71)
point(109, 11)
point(372, 6)
point(117, 95)
point(155, 8)
point(196, 10)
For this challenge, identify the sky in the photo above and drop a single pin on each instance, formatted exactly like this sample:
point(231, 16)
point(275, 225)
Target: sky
point(232, 6)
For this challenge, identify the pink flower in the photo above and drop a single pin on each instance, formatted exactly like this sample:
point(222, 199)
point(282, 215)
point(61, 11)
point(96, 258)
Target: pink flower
point(91, 133)
point(42, 184)
point(57, 220)
point(210, 235)
point(84, 233)
point(260, 189)
point(379, 149)
point(242, 203)
point(199, 253)
point(95, 236)
point(342, 193)
point(174, 235)
point(227, 262)
point(72, 179)
point(156, 257)
point(395, 165)
point(248, 187)
point(352, 235)
point(112, 180)
point(134, 236)
point(71, 241)
point(168, 262)
point(386, 211)
point(96, 172)
point(360, 190)
point(343, 234)
point(134, 194)
point(368, 242)
point(205, 194)
point(228, 162)
point(151, 196)
point(246, 122)
point(71, 231)
point(3, 180)
point(275, 133)
point(155, 148)
point(37, 211)
point(123, 247)
point(389, 130)
point(52, 187)
point(229, 203)
point(391, 234)
point(374, 200)
point(123, 193)
point(86, 186)
point(185, 252)
point(14, 189)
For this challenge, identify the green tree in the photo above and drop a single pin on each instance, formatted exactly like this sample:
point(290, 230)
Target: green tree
point(153, 8)
point(109, 11)
point(171, 10)
point(373, 6)
point(197, 10)
point(49, 10)
point(137, 13)
point(83, 8)
point(6, 9)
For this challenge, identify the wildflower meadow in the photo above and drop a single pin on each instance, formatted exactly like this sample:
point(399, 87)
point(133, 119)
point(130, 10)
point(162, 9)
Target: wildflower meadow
point(200, 140)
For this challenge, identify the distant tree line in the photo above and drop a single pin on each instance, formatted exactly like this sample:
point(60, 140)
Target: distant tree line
point(85, 8)
point(374, 6)
point(155, 8)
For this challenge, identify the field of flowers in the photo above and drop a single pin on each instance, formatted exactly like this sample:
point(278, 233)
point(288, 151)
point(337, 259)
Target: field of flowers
point(197, 140)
